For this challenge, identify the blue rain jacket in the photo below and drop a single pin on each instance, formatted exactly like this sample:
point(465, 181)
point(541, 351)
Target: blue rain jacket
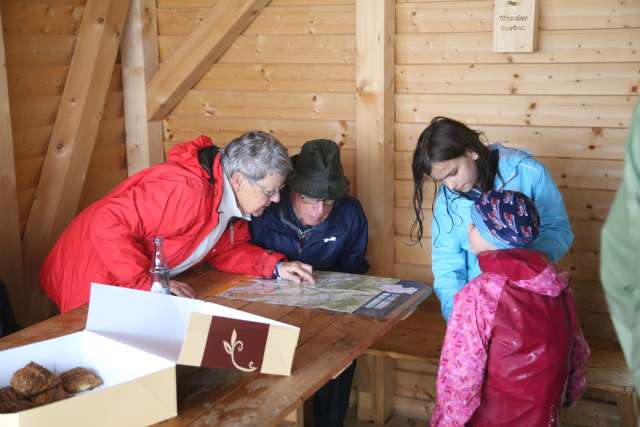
point(452, 263)
point(338, 244)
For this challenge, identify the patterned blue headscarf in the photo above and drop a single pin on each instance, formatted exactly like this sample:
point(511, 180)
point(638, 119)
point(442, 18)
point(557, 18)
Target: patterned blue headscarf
point(508, 219)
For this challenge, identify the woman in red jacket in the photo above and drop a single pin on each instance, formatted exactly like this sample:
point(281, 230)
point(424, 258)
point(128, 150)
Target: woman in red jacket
point(194, 201)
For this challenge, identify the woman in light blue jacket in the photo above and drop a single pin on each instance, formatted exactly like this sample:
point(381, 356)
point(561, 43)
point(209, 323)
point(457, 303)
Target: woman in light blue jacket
point(452, 154)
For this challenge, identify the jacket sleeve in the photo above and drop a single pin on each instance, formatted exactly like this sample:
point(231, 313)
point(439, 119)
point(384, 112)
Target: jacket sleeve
point(463, 359)
point(448, 258)
point(353, 258)
point(580, 353)
point(234, 253)
point(556, 236)
point(619, 266)
point(121, 225)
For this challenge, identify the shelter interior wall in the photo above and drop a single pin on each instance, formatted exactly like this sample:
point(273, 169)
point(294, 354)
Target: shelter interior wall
point(40, 37)
point(569, 104)
point(292, 73)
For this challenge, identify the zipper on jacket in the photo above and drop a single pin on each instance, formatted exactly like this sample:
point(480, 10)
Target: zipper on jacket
point(302, 238)
point(302, 235)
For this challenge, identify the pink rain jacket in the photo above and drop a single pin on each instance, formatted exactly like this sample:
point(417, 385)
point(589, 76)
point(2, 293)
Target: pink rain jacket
point(514, 352)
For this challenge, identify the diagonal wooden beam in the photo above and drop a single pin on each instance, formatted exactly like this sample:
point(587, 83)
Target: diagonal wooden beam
point(73, 137)
point(375, 41)
point(11, 259)
point(204, 46)
point(139, 56)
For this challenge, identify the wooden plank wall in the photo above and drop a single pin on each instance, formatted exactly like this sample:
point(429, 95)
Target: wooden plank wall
point(11, 269)
point(569, 104)
point(291, 73)
point(40, 37)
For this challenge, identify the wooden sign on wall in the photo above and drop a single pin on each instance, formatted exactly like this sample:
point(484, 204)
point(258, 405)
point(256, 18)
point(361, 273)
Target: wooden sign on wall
point(515, 26)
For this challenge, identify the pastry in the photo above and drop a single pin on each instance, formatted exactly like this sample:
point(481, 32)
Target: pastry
point(79, 379)
point(10, 401)
point(49, 396)
point(34, 385)
point(33, 379)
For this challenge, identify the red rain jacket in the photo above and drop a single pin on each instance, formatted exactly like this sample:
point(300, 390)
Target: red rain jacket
point(111, 240)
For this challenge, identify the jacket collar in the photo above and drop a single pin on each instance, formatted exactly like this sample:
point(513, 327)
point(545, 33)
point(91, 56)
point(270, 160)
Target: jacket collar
point(525, 268)
point(509, 159)
point(198, 155)
point(229, 203)
point(206, 156)
point(287, 216)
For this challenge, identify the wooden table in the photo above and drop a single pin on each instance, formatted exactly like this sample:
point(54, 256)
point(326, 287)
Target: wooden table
point(328, 342)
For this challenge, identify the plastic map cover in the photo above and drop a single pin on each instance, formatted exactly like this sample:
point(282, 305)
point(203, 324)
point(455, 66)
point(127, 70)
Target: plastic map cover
point(347, 293)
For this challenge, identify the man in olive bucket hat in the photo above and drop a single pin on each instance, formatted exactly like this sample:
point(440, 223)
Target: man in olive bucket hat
point(317, 223)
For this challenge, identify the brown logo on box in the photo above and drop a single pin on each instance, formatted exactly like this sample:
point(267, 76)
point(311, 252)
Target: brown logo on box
point(235, 344)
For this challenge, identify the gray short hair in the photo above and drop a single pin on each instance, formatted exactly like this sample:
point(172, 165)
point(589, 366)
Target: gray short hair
point(256, 154)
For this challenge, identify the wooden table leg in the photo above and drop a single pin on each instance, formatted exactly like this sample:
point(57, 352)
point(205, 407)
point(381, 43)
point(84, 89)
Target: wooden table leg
point(301, 417)
point(375, 388)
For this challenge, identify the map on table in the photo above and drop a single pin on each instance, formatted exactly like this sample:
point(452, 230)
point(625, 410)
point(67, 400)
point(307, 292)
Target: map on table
point(347, 293)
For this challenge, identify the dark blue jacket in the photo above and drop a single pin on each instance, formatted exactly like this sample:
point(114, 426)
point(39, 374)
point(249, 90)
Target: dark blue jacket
point(338, 244)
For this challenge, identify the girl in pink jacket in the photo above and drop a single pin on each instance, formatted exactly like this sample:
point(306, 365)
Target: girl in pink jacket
point(514, 353)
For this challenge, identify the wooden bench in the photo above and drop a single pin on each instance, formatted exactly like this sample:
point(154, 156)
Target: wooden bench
point(401, 369)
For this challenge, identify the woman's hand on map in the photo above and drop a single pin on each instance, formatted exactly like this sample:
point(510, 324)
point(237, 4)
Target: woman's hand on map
point(181, 289)
point(296, 272)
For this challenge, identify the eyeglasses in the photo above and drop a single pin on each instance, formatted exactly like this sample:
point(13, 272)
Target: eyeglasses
point(267, 193)
point(310, 201)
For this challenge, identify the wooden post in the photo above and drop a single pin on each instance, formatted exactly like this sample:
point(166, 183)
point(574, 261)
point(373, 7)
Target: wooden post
point(139, 55)
point(296, 417)
point(375, 40)
point(627, 403)
point(72, 139)
point(382, 390)
point(375, 388)
point(363, 383)
point(204, 46)
point(11, 260)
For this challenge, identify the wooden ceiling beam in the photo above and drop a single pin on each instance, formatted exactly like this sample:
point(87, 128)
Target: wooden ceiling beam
point(11, 260)
point(72, 139)
point(204, 46)
point(140, 61)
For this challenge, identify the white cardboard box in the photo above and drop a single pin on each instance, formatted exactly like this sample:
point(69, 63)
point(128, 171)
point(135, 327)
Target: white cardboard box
point(133, 340)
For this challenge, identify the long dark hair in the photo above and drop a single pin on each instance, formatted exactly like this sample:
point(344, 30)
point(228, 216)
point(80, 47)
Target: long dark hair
point(446, 139)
